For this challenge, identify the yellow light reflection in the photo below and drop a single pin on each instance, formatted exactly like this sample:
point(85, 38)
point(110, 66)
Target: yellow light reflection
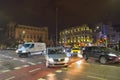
point(51, 76)
point(66, 79)
point(79, 62)
point(75, 68)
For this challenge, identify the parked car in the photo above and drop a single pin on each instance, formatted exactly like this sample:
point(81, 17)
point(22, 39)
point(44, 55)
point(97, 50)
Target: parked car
point(103, 54)
point(56, 57)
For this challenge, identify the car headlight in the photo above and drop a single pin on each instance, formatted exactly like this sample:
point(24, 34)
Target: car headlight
point(112, 55)
point(119, 58)
point(78, 51)
point(50, 60)
point(66, 59)
point(24, 51)
point(16, 51)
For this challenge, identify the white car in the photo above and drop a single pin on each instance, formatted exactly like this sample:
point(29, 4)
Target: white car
point(56, 57)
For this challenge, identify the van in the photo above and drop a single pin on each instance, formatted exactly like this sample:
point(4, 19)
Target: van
point(30, 48)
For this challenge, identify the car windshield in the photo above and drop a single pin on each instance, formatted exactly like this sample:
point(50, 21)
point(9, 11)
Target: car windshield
point(26, 45)
point(75, 49)
point(55, 51)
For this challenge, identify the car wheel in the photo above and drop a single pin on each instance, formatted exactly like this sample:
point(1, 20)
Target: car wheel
point(28, 54)
point(103, 60)
point(22, 55)
point(85, 57)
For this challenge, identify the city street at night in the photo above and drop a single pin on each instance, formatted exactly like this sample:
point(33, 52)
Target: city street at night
point(59, 39)
point(33, 68)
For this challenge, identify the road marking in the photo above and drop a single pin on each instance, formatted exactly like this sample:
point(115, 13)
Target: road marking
point(64, 68)
point(66, 79)
point(10, 78)
point(5, 71)
point(96, 77)
point(15, 59)
point(51, 74)
point(35, 70)
point(22, 60)
point(25, 65)
point(31, 63)
point(10, 57)
point(41, 79)
point(39, 62)
point(58, 71)
point(17, 68)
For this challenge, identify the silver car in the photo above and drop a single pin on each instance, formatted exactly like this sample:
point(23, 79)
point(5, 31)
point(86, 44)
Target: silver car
point(56, 57)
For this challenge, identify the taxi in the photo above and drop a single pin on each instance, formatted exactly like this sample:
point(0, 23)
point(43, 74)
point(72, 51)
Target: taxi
point(75, 51)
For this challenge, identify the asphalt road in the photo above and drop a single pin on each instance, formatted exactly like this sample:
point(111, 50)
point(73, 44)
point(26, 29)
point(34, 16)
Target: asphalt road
point(33, 68)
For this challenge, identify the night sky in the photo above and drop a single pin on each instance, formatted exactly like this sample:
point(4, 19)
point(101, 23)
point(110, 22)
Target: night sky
point(69, 12)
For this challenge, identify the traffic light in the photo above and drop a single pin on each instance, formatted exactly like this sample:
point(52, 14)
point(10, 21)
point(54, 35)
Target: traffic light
point(100, 41)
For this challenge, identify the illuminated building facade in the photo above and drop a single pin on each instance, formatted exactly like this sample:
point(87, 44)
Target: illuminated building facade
point(81, 35)
point(27, 33)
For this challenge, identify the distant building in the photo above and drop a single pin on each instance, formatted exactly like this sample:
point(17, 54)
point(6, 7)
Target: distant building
point(112, 35)
point(77, 35)
point(27, 33)
point(17, 33)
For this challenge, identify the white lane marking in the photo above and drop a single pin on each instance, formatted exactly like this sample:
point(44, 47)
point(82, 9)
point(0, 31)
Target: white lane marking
point(66, 79)
point(58, 71)
point(3, 55)
point(10, 78)
point(17, 68)
point(35, 70)
point(15, 59)
point(51, 74)
point(64, 68)
point(96, 77)
point(41, 79)
point(31, 63)
point(25, 65)
point(10, 57)
point(5, 71)
point(39, 62)
point(22, 60)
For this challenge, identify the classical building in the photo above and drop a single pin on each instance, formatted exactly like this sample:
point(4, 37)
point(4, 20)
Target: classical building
point(14, 34)
point(80, 35)
point(27, 33)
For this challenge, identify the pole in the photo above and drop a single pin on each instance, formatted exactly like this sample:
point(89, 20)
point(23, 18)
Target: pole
point(56, 25)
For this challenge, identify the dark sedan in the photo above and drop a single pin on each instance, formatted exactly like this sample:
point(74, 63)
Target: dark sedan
point(103, 54)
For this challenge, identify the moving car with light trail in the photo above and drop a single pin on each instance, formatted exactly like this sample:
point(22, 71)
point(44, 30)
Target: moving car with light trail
point(103, 54)
point(56, 57)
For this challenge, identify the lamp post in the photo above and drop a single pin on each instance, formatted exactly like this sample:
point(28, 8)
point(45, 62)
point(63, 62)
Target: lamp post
point(56, 25)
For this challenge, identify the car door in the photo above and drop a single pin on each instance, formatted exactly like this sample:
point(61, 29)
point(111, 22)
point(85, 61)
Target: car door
point(95, 52)
point(32, 48)
point(88, 51)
